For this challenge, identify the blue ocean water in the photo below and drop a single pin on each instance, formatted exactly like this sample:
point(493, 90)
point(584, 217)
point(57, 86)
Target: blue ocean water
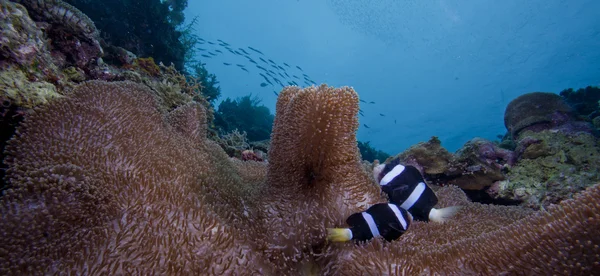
point(443, 68)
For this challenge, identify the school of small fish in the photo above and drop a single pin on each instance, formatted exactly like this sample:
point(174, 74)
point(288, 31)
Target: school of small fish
point(274, 74)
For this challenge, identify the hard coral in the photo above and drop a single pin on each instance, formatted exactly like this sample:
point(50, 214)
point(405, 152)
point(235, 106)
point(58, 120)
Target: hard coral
point(100, 184)
point(546, 110)
point(233, 143)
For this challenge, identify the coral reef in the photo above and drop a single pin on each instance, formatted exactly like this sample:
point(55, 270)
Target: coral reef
point(545, 167)
point(480, 162)
point(246, 114)
point(552, 166)
point(20, 39)
point(584, 100)
point(429, 157)
point(539, 111)
point(369, 153)
point(107, 182)
point(23, 45)
point(475, 166)
point(72, 32)
point(151, 26)
point(19, 91)
point(61, 13)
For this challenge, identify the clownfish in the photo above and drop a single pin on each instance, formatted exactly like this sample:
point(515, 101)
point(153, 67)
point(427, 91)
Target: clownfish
point(406, 188)
point(385, 220)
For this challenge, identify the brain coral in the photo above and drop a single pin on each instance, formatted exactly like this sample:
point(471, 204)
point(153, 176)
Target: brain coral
point(535, 108)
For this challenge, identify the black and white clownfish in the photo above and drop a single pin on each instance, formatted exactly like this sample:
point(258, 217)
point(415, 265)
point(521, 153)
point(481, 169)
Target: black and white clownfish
point(384, 219)
point(406, 187)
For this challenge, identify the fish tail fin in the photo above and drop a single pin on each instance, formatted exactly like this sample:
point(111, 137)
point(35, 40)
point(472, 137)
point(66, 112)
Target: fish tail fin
point(339, 234)
point(444, 214)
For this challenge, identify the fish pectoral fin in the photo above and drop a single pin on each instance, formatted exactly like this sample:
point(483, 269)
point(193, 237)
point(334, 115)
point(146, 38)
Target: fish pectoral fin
point(339, 234)
point(395, 226)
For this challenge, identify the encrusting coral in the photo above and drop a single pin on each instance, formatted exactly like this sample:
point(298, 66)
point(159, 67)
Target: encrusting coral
point(103, 182)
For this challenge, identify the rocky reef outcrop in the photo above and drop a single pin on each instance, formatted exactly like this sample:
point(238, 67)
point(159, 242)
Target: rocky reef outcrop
point(548, 155)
